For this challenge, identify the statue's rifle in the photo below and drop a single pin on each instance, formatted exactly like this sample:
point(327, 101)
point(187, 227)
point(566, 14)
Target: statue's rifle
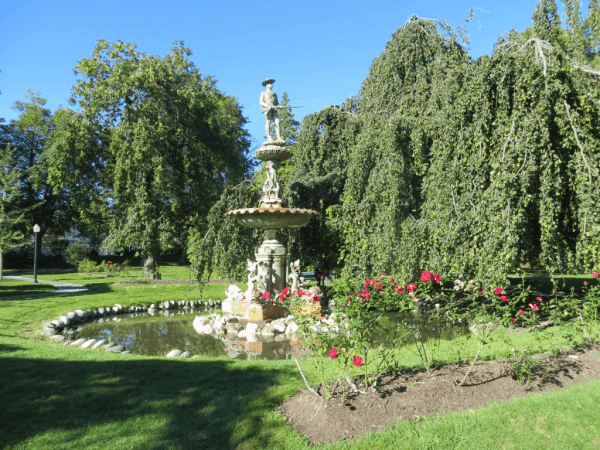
point(286, 106)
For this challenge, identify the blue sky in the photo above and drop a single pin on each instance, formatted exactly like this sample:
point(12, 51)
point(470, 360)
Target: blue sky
point(318, 51)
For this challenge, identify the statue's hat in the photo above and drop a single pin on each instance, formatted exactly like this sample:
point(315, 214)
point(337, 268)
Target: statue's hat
point(268, 80)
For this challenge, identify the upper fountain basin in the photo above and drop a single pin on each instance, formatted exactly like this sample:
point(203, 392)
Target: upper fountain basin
point(272, 217)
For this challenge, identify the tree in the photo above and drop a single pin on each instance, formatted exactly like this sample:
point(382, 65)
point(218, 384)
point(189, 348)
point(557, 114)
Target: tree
point(162, 140)
point(30, 135)
point(10, 216)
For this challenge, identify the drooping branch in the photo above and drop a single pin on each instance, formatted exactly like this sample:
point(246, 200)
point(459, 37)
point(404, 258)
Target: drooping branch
point(510, 133)
point(578, 142)
point(587, 69)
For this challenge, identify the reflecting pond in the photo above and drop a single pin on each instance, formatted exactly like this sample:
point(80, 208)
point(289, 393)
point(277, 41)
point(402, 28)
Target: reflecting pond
point(158, 334)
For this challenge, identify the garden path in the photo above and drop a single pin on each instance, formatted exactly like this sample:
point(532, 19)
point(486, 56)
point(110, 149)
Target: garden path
point(63, 288)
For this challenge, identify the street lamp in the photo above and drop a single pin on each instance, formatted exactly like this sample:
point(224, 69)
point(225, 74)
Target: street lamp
point(36, 230)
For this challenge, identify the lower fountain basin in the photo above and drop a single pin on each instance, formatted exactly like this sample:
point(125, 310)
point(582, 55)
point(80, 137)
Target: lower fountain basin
point(273, 218)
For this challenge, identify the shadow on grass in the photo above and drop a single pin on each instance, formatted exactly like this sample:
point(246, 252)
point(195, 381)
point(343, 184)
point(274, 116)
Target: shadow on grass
point(164, 403)
point(34, 291)
point(9, 348)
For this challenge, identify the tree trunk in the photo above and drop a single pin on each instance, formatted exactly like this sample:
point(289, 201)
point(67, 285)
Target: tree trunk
point(152, 260)
point(1, 268)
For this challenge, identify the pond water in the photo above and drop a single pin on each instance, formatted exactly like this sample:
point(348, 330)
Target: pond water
point(164, 331)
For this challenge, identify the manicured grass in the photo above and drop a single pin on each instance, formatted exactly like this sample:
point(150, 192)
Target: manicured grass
point(57, 397)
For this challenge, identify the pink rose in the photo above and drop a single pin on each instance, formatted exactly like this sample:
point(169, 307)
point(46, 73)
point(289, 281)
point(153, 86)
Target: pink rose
point(333, 353)
point(357, 361)
point(426, 276)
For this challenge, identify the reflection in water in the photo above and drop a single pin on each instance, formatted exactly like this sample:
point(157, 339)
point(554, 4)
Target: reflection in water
point(144, 334)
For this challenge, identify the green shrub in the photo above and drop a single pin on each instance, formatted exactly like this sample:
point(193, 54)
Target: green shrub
point(75, 253)
point(87, 266)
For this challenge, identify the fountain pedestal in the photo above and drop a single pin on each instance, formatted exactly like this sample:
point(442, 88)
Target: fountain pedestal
point(272, 264)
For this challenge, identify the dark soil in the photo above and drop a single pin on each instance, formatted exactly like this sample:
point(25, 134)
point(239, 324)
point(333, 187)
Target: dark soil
point(413, 393)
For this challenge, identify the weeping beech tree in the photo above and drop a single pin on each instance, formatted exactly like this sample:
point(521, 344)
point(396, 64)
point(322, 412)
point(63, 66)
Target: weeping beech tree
point(461, 166)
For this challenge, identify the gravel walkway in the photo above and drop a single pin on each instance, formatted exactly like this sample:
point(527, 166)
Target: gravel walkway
point(63, 288)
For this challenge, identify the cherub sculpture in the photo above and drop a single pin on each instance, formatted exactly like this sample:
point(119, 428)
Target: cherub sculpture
point(295, 275)
point(252, 277)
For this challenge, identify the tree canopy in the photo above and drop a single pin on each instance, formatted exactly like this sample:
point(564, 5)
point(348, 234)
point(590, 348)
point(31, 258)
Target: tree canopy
point(459, 166)
point(154, 144)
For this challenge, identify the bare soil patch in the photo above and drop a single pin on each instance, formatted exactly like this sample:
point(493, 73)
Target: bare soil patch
point(413, 393)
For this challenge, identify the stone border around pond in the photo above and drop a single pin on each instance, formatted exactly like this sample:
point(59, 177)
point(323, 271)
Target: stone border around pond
point(79, 316)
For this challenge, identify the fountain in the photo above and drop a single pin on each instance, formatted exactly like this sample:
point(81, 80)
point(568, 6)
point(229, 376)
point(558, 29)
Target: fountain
point(273, 266)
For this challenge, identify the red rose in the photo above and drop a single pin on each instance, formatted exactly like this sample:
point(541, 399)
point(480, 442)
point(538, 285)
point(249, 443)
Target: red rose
point(539, 299)
point(585, 283)
point(392, 279)
point(266, 295)
point(299, 292)
point(316, 299)
point(426, 276)
point(483, 290)
point(365, 295)
point(521, 312)
point(504, 298)
point(367, 283)
point(357, 361)
point(535, 307)
point(333, 353)
point(498, 291)
point(379, 287)
point(513, 319)
point(285, 291)
point(437, 278)
point(349, 299)
point(412, 287)
point(595, 274)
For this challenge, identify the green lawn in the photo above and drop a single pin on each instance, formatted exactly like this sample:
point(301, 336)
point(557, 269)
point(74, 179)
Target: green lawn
point(57, 397)
point(11, 288)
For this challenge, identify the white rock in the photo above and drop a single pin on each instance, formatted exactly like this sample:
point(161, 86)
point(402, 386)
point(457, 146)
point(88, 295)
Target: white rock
point(78, 342)
point(174, 353)
point(185, 355)
point(242, 334)
point(115, 348)
point(573, 356)
point(251, 337)
point(268, 331)
point(99, 343)
point(279, 326)
point(57, 337)
point(291, 328)
point(65, 320)
point(88, 343)
point(251, 328)
point(203, 325)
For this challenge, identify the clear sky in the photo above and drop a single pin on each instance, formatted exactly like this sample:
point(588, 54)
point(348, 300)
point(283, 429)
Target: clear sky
point(318, 51)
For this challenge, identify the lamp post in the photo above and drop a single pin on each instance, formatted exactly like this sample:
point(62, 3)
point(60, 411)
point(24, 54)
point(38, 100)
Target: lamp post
point(36, 230)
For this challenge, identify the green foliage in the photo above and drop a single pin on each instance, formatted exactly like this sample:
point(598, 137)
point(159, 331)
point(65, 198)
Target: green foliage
point(75, 253)
point(163, 142)
point(10, 216)
point(29, 136)
point(223, 246)
point(464, 167)
point(87, 266)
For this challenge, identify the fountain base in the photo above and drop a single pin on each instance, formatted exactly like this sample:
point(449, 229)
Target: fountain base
point(251, 311)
